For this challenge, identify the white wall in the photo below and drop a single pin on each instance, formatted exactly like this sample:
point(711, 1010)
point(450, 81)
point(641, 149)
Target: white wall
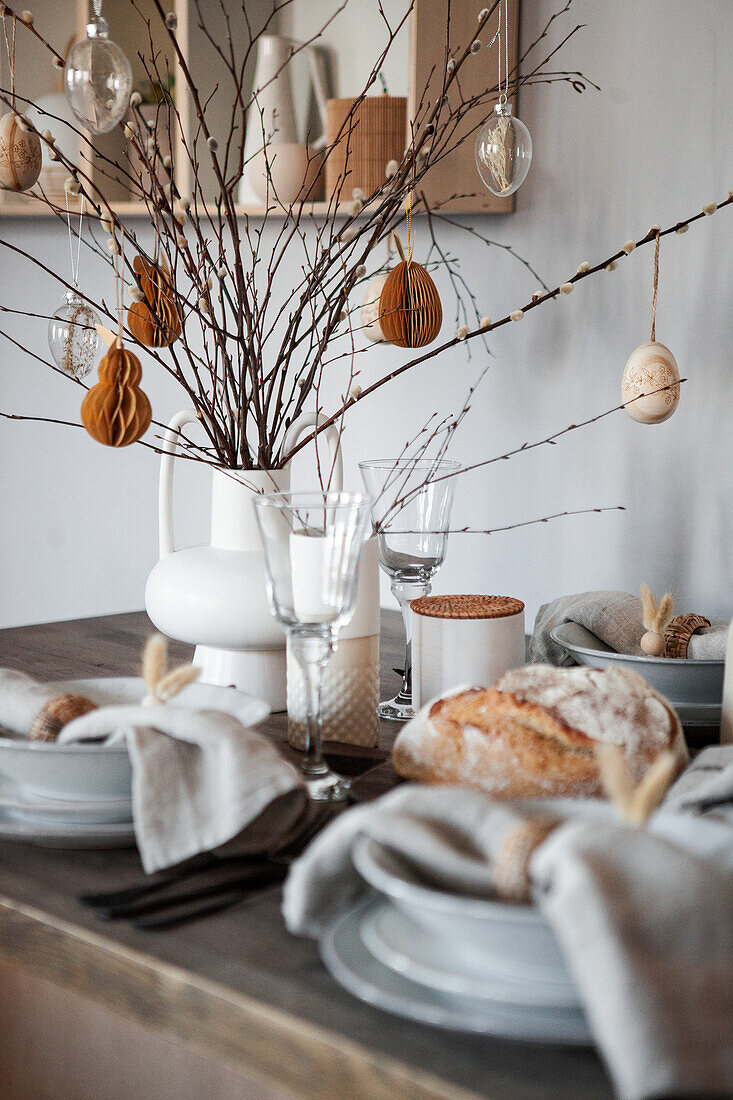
point(78, 522)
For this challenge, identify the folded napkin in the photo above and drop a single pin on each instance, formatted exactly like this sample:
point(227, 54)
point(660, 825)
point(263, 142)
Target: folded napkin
point(21, 698)
point(706, 786)
point(644, 916)
point(201, 780)
point(615, 618)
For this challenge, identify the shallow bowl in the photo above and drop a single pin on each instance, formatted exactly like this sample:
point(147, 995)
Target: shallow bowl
point(493, 939)
point(97, 772)
point(685, 683)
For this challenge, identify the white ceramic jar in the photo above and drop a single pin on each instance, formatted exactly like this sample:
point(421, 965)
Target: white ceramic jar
point(467, 639)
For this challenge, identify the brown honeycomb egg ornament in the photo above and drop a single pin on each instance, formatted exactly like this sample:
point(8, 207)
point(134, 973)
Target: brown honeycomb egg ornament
point(116, 412)
point(410, 313)
point(154, 322)
point(20, 155)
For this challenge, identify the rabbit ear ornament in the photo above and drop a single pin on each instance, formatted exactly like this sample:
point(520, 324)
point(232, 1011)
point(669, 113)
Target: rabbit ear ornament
point(656, 617)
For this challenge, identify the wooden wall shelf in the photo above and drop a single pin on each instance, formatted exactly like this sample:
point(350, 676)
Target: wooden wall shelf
point(31, 207)
point(452, 183)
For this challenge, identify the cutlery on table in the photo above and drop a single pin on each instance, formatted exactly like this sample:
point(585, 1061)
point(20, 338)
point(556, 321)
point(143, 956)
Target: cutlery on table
point(188, 916)
point(250, 879)
point(254, 873)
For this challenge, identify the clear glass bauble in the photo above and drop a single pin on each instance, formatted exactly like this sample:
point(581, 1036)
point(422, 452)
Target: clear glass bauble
point(72, 337)
point(503, 152)
point(98, 79)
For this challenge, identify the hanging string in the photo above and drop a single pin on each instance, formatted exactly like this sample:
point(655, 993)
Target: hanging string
point(11, 55)
point(498, 35)
point(74, 269)
point(506, 50)
point(408, 217)
point(118, 260)
point(503, 95)
point(654, 293)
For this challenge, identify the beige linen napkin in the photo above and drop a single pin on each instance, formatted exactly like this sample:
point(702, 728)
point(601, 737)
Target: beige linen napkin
point(21, 698)
point(645, 917)
point(615, 618)
point(200, 780)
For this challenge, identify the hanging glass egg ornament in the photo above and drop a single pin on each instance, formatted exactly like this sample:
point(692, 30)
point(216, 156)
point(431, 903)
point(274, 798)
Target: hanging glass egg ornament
point(72, 337)
point(503, 151)
point(98, 79)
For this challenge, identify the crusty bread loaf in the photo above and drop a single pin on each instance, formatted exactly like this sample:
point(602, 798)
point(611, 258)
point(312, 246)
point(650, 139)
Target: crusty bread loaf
point(534, 733)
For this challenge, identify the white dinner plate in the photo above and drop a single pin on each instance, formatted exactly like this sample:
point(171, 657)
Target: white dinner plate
point(26, 806)
point(86, 835)
point(685, 683)
point(351, 964)
point(395, 941)
point(496, 940)
point(89, 772)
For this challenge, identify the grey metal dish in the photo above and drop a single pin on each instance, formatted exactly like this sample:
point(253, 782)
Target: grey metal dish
point(684, 683)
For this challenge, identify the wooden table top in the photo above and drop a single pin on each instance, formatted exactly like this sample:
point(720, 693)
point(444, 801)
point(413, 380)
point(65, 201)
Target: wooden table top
point(238, 984)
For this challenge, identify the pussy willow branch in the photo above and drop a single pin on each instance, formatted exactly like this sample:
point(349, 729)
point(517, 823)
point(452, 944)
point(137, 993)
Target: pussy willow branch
point(244, 406)
point(536, 301)
point(435, 476)
point(523, 523)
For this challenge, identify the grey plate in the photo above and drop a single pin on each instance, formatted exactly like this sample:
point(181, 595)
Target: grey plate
point(86, 835)
point(18, 805)
point(439, 963)
point(351, 964)
point(684, 683)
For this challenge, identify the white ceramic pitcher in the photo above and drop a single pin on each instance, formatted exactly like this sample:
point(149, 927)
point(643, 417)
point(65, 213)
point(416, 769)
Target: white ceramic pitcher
point(271, 121)
point(214, 596)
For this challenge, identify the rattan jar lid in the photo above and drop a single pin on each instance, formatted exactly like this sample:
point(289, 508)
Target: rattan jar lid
point(467, 607)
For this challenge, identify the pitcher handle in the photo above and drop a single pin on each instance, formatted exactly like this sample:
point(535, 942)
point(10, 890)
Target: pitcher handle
point(165, 484)
point(333, 439)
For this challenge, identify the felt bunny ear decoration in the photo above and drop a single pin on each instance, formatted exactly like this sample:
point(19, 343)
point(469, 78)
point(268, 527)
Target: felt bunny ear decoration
point(635, 803)
point(161, 684)
point(656, 618)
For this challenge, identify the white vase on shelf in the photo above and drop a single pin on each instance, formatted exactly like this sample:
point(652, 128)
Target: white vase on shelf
point(214, 596)
point(272, 124)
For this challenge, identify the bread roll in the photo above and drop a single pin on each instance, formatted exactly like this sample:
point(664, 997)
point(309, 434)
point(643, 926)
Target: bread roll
point(534, 733)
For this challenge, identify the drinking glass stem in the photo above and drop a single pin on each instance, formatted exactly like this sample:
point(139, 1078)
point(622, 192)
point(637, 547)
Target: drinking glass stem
point(313, 652)
point(405, 593)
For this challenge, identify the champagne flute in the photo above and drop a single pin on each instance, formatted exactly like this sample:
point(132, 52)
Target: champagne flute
point(411, 508)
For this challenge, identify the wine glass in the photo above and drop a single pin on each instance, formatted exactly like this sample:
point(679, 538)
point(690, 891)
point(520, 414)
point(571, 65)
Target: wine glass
point(312, 544)
point(411, 508)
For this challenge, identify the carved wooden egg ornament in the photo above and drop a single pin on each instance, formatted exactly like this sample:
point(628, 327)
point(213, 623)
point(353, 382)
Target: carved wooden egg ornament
point(20, 155)
point(155, 322)
point(651, 367)
point(116, 412)
point(370, 310)
point(410, 313)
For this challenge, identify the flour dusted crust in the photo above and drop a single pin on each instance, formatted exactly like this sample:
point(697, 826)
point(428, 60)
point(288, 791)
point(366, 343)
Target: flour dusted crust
point(534, 733)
